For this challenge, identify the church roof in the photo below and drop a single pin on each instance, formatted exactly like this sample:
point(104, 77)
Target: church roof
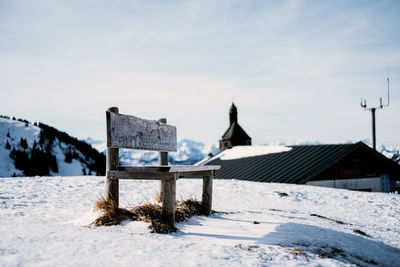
point(235, 132)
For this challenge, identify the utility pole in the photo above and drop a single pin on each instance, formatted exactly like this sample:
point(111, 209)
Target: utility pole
point(373, 110)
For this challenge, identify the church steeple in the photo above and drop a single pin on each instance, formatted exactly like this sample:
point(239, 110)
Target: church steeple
point(233, 114)
point(235, 135)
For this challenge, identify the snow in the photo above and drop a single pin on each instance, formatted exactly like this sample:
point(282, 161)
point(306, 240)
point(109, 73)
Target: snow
point(17, 130)
point(249, 151)
point(42, 219)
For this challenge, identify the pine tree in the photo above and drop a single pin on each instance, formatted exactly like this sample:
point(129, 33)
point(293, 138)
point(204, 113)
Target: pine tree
point(68, 157)
point(23, 143)
point(8, 134)
point(8, 146)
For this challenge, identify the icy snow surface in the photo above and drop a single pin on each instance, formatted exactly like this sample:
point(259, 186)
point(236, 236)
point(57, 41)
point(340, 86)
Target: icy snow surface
point(265, 225)
point(249, 151)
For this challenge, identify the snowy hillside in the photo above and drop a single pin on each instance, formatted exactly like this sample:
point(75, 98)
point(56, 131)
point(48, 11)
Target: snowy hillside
point(29, 150)
point(260, 224)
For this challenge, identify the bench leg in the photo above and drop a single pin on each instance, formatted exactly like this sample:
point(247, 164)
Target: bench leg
point(169, 199)
point(206, 199)
point(112, 186)
point(112, 190)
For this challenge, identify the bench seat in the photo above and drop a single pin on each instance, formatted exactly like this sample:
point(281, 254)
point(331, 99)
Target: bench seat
point(160, 172)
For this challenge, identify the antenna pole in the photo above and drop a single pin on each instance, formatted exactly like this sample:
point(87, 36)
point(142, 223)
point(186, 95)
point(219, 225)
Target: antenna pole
point(388, 92)
point(373, 129)
point(373, 109)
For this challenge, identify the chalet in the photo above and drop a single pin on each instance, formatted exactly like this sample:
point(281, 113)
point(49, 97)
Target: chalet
point(349, 166)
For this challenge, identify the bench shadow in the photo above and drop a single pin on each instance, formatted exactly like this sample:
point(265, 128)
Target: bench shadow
point(348, 247)
point(324, 242)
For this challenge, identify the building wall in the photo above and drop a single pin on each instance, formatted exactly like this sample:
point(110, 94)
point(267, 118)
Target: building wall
point(358, 165)
point(372, 184)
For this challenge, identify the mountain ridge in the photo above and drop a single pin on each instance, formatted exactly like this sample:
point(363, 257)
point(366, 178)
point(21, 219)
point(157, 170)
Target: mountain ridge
point(40, 150)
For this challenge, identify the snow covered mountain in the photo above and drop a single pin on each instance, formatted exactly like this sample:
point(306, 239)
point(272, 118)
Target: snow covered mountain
point(392, 152)
point(189, 152)
point(38, 149)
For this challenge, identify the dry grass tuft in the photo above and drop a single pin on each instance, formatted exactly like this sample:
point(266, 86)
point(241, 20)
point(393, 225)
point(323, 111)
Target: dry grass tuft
point(189, 208)
point(112, 215)
point(147, 212)
point(150, 213)
point(159, 197)
point(162, 227)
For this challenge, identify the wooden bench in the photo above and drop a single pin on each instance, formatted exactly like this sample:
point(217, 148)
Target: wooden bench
point(125, 131)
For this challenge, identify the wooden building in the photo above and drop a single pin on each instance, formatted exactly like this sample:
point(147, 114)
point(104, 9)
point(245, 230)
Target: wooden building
point(349, 166)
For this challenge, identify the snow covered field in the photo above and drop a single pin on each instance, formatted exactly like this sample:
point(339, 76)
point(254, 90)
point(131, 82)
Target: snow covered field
point(265, 225)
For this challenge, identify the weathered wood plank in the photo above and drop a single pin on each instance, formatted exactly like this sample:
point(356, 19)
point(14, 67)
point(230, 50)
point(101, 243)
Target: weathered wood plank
point(206, 198)
point(169, 199)
point(162, 161)
point(193, 174)
point(126, 131)
point(115, 175)
point(144, 168)
point(112, 186)
point(170, 168)
point(189, 168)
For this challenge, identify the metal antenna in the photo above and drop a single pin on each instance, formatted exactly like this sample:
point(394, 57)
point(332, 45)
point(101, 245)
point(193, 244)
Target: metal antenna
point(363, 104)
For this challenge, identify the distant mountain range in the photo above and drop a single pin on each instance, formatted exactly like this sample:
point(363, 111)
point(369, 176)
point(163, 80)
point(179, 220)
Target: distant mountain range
point(189, 152)
point(38, 149)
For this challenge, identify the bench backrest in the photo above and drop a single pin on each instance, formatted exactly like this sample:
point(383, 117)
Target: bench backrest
point(126, 131)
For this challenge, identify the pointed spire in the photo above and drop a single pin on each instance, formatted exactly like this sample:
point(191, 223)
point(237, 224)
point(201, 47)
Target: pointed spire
point(233, 114)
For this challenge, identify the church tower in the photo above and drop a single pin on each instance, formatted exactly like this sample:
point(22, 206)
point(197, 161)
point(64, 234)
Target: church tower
point(235, 135)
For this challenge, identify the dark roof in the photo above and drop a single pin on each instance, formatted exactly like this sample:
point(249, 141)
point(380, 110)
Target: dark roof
point(297, 165)
point(235, 132)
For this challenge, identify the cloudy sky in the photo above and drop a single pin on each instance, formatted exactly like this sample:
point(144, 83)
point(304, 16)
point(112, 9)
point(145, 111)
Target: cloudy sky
point(295, 69)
